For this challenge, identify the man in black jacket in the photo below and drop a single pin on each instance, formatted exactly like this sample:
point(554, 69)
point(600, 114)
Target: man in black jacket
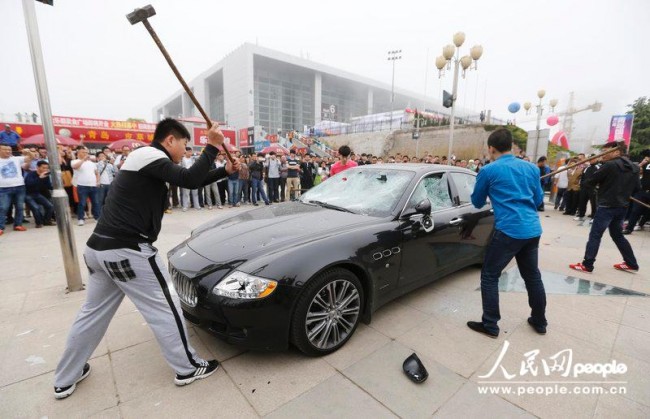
point(307, 172)
point(617, 180)
point(643, 195)
point(121, 258)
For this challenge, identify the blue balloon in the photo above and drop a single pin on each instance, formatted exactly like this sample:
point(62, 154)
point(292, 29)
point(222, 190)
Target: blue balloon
point(514, 107)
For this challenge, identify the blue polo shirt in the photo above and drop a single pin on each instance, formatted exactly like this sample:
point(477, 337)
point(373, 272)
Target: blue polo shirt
point(515, 193)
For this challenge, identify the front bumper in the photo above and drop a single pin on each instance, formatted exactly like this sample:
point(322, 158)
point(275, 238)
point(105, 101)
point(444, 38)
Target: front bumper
point(254, 324)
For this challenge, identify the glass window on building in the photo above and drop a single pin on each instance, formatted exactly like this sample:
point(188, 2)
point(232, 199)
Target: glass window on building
point(283, 95)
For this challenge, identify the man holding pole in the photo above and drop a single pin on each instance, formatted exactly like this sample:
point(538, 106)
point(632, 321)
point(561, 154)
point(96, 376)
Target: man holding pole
point(121, 258)
point(617, 180)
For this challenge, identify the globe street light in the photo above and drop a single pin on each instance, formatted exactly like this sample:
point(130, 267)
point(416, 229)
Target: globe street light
point(452, 53)
point(393, 56)
point(540, 110)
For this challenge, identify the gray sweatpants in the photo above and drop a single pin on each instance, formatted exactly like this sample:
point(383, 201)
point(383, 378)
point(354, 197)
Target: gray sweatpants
point(142, 276)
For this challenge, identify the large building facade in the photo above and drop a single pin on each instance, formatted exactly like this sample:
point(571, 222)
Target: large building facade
point(257, 86)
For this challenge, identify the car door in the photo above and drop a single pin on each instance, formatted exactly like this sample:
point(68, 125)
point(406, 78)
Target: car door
point(476, 224)
point(428, 253)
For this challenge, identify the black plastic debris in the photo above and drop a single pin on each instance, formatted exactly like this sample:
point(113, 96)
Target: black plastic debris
point(414, 369)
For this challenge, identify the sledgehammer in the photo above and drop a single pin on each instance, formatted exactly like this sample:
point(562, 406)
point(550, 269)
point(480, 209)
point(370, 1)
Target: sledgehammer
point(142, 15)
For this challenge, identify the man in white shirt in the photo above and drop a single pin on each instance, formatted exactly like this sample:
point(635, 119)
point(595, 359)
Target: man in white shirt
point(86, 178)
point(12, 185)
point(562, 183)
point(187, 161)
point(273, 176)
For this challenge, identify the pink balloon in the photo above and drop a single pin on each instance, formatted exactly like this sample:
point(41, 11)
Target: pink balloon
point(552, 120)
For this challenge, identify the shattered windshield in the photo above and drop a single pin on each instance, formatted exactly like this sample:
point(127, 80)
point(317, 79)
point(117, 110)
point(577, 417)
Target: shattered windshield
point(373, 192)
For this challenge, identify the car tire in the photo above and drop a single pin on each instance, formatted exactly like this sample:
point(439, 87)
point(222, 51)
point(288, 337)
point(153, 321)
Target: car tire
point(320, 324)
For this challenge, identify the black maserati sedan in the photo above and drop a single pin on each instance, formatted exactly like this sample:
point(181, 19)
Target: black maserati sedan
point(308, 271)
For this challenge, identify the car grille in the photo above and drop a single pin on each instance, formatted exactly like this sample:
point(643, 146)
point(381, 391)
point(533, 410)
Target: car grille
point(184, 288)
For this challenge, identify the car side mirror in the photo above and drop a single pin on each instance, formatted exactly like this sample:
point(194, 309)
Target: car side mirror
point(423, 207)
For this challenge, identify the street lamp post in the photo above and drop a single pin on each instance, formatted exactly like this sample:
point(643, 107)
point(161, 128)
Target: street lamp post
point(452, 53)
point(59, 196)
point(393, 56)
point(540, 110)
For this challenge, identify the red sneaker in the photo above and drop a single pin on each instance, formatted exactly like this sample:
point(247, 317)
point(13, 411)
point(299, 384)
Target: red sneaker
point(20, 228)
point(2, 232)
point(625, 267)
point(580, 267)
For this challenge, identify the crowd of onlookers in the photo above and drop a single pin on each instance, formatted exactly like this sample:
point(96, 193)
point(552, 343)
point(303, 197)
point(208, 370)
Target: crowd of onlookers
point(262, 178)
point(570, 191)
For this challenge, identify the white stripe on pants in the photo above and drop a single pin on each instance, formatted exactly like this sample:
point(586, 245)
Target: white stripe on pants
point(152, 293)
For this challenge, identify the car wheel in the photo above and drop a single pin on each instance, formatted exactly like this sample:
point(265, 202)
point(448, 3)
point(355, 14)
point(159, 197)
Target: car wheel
point(327, 312)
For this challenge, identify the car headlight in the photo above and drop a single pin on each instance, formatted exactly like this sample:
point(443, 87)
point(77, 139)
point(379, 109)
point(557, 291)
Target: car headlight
point(244, 286)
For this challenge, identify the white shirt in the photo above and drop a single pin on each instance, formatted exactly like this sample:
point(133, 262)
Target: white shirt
point(187, 162)
point(85, 174)
point(106, 172)
point(562, 178)
point(10, 172)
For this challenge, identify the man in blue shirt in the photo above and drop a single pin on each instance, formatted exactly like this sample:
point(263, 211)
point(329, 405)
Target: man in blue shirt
point(10, 138)
point(515, 192)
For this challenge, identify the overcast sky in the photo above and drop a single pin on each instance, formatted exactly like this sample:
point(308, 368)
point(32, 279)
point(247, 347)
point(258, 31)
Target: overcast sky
point(98, 65)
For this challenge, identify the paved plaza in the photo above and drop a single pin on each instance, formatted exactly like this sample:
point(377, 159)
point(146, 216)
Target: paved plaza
point(364, 379)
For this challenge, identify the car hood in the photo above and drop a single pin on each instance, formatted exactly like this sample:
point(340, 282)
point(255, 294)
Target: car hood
point(269, 229)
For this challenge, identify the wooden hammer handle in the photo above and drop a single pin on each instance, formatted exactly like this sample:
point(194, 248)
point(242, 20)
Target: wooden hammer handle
point(189, 92)
point(580, 162)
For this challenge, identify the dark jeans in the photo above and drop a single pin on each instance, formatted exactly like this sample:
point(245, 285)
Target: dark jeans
point(571, 201)
point(612, 219)
point(587, 195)
point(244, 190)
point(637, 210)
point(500, 251)
point(35, 202)
point(283, 187)
point(223, 186)
point(173, 193)
point(15, 195)
point(85, 192)
point(102, 192)
point(274, 184)
point(258, 186)
point(233, 191)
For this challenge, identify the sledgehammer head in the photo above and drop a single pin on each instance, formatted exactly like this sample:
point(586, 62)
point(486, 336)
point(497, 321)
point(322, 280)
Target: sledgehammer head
point(141, 14)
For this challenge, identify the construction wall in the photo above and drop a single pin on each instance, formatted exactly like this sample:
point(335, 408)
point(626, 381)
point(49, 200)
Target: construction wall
point(470, 141)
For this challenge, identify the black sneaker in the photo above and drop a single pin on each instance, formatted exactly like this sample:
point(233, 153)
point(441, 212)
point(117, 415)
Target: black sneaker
point(202, 372)
point(626, 232)
point(478, 327)
point(539, 329)
point(63, 392)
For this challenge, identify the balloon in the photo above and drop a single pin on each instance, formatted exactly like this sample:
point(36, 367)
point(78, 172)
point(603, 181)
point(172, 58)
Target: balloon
point(552, 120)
point(514, 107)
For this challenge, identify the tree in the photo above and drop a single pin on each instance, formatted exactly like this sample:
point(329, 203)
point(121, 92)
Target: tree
point(641, 127)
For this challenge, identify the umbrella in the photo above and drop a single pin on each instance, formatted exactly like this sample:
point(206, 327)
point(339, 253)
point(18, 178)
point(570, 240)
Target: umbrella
point(39, 139)
point(119, 144)
point(275, 147)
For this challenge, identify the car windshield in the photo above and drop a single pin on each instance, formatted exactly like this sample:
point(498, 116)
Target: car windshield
point(373, 192)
